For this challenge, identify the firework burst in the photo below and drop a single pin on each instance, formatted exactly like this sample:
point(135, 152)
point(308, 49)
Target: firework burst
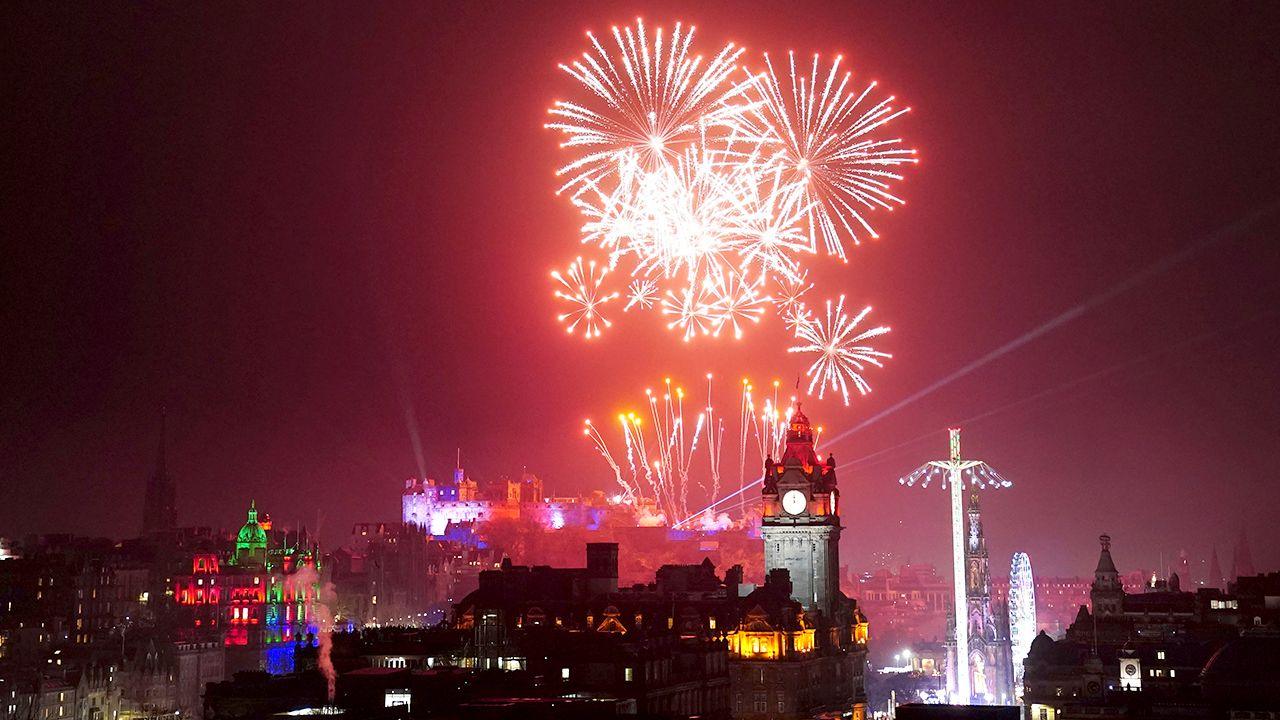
point(826, 140)
point(842, 355)
point(790, 292)
point(581, 289)
point(693, 310)
point(710, 183)
point(642, 294)
point(738, 302)
point(652, 99)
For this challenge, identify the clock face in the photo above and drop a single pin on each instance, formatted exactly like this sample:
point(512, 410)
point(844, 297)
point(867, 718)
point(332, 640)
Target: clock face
point(794, 502)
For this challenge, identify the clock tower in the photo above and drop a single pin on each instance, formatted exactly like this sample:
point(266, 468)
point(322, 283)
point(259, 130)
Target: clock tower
point(801, 523)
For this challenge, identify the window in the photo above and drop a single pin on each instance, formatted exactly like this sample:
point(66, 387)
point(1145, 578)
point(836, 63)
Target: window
point(1159, 654)
point(628, 674)
point(762, 702)
point(564, 673)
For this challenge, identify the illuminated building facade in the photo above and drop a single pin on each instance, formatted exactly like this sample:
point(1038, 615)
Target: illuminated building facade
point(259, 601)
point(989, 665)
point(800, 524)
point(435, 506)
point(690, 643)
point(799, 646)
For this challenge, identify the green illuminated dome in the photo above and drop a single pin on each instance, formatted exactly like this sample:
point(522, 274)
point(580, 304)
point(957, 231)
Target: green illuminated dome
point(251, 541)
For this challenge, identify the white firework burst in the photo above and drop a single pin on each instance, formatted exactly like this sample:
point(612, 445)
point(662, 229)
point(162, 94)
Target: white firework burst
point(739, 302)
point(581, 289)
point(789, 292)
point(828, 138)
point(769, 235)
point(654, 99)
point(642, 294)
point(693, 310)
point(841, 353)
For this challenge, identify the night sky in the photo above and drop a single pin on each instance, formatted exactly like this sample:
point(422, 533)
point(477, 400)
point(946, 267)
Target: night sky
point(288, 223)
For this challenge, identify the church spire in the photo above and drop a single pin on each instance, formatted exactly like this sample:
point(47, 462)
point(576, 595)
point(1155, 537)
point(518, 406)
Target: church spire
point(1215, 571)
point(160, 449)
point(159, 507)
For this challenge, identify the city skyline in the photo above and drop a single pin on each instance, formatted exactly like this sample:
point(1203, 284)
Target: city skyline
point(291, 332)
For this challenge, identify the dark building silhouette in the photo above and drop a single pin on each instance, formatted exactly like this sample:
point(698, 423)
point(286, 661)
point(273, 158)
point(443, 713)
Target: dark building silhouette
point(159, 507)
point(1241, 558)
point(1161, 652)
point(1107, 593)
point(1216, 578)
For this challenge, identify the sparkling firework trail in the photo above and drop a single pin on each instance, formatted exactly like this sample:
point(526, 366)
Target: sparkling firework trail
point(628, 490)
point(582, 290)
point(668, 453)
point(828, 145)
point(841, 355)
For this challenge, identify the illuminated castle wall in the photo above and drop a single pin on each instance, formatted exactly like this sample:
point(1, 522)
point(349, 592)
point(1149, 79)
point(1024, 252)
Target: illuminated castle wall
point(434, 505)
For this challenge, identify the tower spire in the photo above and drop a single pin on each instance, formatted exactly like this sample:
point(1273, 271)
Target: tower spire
point(159, 507)
point(160, 449)
point(1215, 571)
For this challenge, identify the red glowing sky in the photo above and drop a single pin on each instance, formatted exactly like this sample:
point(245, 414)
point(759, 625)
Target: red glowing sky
point(287, 225)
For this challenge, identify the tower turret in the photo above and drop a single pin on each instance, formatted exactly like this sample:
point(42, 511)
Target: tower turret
point(1107, 594)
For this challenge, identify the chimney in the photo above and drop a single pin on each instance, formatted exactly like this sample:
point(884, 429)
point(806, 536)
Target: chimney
point(779, 578)
point(733, 577)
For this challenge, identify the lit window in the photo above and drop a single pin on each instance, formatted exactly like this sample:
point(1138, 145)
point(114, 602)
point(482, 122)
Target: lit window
point(628, 674)
point(1159, 654)
point(564, 673)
